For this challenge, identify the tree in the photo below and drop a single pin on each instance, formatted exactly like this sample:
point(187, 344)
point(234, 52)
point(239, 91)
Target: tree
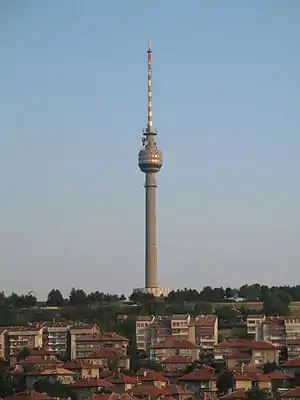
point(274, 306)
point(270, 367)
point(257, 394)
point(77, 297)
point(55, 298)
point(25, 352)
point(142, 298)
point(225, 382)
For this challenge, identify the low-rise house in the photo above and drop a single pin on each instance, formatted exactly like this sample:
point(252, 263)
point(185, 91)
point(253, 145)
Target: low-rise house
point(122, 382)
point(84, 388)
point(176, 363)
point(172, 347)
point(53, 375)
point(108, 357)
point(291, 366)
point(291, 394)
point(239, 394)
point(200, 380)
point(31, 362)
point(83, 369)
point(28, 395)
point(243, 381)
point(236, 358)
point(152, 378)
point(261, 352)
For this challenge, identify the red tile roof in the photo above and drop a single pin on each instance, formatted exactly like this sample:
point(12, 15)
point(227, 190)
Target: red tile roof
point(79, 364)
point(246, 343)
point(293, 393)
point(175, 390)
point(113, 336)
point(238, 355)
point(177, 360)
point(121, 378)
point(246, 368)
point(33, 360)
point(171, 343)
point(247, 377)
point(239, 394)
point(30, 395)
point(147, 390)
point(92, 382)
point(146, 375)
point(278, 375)
point(202, 374)
point(294, 363)
point(105, 353)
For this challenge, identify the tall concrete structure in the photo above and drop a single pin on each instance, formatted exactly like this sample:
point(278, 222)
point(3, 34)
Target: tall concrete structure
point(150, 162)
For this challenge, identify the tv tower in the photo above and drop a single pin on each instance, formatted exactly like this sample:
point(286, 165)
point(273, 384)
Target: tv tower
point(150, 162)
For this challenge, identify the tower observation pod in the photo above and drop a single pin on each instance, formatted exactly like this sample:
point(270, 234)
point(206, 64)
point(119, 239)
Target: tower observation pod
point(150, 162)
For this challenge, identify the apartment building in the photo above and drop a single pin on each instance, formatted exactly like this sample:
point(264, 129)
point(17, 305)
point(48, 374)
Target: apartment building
point(17, 337)
point(254, 326)
point(55, 337)
point(180, 326)
point(292, 328)
point(204, 331)
point(143, 332)
point(273, 331)
point(85, 345)
point(76, 331)
point(293, 348)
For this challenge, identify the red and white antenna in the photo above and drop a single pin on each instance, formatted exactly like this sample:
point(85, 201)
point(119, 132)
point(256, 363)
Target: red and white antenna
point(149, 52)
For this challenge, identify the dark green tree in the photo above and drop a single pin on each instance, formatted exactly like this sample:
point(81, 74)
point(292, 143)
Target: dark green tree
point(77, 297)
point(225, 382)
point(257, 394)
point(55, 298)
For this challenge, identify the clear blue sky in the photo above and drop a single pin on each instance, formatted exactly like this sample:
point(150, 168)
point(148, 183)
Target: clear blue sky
point(73, 81)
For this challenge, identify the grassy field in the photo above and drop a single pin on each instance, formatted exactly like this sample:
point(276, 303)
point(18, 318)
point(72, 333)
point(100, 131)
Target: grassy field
point(257, 306)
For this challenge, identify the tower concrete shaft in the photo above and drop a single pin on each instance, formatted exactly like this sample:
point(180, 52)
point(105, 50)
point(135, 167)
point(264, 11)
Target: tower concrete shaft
point(150, 162)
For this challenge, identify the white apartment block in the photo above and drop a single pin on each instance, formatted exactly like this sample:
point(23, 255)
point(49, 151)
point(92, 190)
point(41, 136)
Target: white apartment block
point(292, 328)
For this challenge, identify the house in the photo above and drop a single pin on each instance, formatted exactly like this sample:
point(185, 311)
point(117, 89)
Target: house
point(151, 378)
point(113, 340)
point(236, 358)
point(109, 357)
point(76, 331)
point(243, 381)
point(34, 362)
point(122, 382)
point(293, 348)
point(176, 363)
point(261, 352)
point(291, 366)
point(291, 394)
point(200, 380)
point(172, 347)
point(84, 388)
point(53, 375)
point(239, 394)
point(83, 369)
point(28, 395)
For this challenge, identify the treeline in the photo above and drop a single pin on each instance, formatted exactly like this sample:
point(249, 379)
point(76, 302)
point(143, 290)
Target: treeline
point(247, 293)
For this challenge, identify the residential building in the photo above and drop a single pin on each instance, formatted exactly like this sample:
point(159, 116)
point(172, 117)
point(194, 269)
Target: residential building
point(254, 326)
point(203, 330)
point(292, 328)
point(143, 332)
point(180, 326)
point(86, 345)
point(173, 347)
point(273, 331)
point(18, 337)
point(106, 358)
point(76, 331)
point(55, 337)
point(261, 352)
point(200, 381)
point(293, 348)
point(3, 343)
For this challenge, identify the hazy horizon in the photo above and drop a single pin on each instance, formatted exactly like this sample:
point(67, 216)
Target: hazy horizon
point(74, 102)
